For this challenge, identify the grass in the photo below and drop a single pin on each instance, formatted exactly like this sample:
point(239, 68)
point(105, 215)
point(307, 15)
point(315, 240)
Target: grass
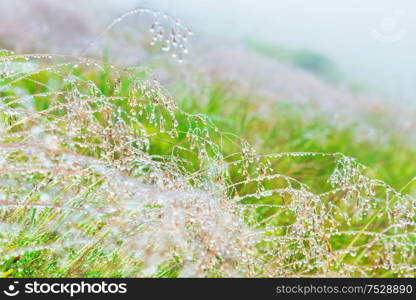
point(288, 127)
point(103, 173)
point(305, 59)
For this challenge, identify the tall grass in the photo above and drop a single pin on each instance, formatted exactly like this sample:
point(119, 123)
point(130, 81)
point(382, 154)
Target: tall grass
point(103, 173)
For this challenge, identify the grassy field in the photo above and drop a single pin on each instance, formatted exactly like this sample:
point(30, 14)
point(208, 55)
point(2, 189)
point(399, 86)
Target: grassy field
point(103, 173)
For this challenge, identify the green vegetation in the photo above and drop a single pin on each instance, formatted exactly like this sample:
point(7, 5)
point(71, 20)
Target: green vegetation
point(305, 59)
point(103, 173)
point(288, 127)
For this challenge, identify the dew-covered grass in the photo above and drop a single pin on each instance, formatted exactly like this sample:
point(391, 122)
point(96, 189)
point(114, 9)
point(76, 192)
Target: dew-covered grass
point(106, 173)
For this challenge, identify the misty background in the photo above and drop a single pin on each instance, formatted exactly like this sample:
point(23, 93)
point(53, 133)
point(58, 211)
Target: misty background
point(372, 42)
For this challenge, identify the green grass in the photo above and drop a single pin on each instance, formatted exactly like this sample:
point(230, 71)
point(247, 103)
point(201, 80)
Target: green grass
point(288, 127)
point(282, 127)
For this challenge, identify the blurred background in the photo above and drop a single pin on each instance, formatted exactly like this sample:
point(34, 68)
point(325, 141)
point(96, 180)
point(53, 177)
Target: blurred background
point(372, 42)
point(365, 45)
point(346, 57)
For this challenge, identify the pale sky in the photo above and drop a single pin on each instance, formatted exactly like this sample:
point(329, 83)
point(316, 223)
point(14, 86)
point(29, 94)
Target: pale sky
point(373, 41)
